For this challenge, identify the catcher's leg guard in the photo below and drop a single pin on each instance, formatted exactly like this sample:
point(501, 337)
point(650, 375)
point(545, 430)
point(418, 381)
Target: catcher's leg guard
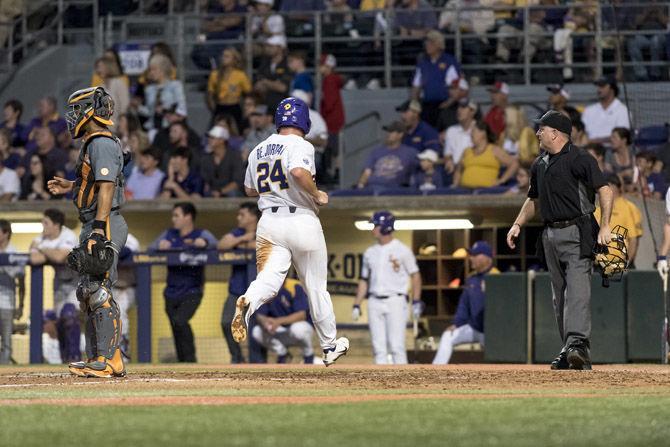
point(107, 325)
point(85, 289)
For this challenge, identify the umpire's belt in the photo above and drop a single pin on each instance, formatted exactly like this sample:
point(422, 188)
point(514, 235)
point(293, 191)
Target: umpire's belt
point(90, 215)
point(563, 223)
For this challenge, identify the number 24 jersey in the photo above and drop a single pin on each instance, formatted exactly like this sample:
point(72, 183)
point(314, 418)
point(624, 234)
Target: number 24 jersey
point(268, 171)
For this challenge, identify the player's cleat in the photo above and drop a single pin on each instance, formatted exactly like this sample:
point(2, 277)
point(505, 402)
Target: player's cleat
point(240, 323)
point(560, 362)
point(104, 368)
point(77, 368)
point(332, 354)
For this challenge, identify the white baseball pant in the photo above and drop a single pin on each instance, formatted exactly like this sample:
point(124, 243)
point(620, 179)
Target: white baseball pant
point(449, 339)
point(284, 237)
point(388, 319)
point(297, 334)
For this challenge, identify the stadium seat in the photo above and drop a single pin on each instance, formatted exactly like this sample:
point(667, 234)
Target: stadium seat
point(650, 137)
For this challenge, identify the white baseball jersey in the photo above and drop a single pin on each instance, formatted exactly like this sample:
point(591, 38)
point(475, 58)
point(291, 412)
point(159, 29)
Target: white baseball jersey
point(388, 268)
point(269, 168)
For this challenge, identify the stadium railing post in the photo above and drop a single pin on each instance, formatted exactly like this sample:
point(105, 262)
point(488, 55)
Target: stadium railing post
point(36, 309)
point(143, 275)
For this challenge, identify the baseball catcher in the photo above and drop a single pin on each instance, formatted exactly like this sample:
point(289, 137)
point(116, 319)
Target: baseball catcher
point(98, 195)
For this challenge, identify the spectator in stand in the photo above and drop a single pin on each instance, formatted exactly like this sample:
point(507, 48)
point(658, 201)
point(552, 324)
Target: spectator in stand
point(626, 214)
point(226, 85)
point(111, 55)
point(301, 24)
point(495, 117)
point(163, 96)
point(170, 138)
point(459, 136)
point(285, 321)
point(34, 181)
point(12, 279)
point(261, 128)
point(468, 323)
point(431, 175)
point(47, 115)
point(318, 133)
point(125, 125)
point(415, 18)
point(10, 185)
point(621, 157)
point(650, 182)
point(225, 21)
point(145, 180)
point(184, 284)
point(481, 163)
point(9, 157)
point(392, 164)
point(235, 141)
point(558, 100)
point(222, 169)
point(302, 80)
point(273, 75)
point(519, 138)
point(448, 116)
point(8, 11)
point(11, 114)
point(598, 152)
point(181, 181)
point(180, 138)
point(653, 18)
point(510, 41)
point(54, 157)
point(339, 21)
point(249, 104)
point(114, 84)
point(578, 135)
point(159, 48)
point(331, 109)
point(522, 181)
point(606, 114)
point(418, 134)
point(265, 23)
point(581, 18)
point(435, 72)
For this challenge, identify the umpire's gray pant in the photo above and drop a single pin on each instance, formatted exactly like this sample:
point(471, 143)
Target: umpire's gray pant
point(570, 282)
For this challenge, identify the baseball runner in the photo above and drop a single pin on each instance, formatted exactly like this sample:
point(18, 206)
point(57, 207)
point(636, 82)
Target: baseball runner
point(388, 267)
point(662, 266)
point(98, 195)
point(281, 172)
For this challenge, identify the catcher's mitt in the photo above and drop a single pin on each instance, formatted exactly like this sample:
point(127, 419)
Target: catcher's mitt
point(611, 260)
point(94, 256)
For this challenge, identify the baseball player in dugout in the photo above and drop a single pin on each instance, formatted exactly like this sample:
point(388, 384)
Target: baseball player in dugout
point(281, 173)
point(388, 267)
point(563, 184)
point(98, 195)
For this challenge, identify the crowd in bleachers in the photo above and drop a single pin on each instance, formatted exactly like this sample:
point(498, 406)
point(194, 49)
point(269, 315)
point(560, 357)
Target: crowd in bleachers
point(441, 143)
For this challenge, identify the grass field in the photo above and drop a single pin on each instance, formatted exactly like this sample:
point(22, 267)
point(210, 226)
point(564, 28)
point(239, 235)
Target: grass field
point(348, 405)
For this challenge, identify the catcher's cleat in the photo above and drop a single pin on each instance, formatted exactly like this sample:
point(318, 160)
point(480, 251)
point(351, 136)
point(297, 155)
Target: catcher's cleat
point(240, 323)
point(106, 368)
point(77, 368)
point(331, 355)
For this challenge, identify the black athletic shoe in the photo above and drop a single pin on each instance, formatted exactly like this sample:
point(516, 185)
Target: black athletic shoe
point(561, 362)
point(578, 357)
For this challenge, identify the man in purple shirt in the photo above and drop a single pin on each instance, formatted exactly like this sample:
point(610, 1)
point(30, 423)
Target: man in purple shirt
point(47, 115)
point(181, 181)
point(45, 145)
point(392, 164)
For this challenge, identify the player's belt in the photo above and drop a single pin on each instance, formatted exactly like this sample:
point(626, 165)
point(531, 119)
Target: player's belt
point(384, 297)
point(86, 217)
point(291, 209)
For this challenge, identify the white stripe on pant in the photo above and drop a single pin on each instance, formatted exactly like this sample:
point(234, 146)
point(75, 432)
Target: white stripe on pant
point(460, 335)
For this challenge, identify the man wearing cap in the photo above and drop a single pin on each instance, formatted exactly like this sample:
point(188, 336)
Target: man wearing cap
point(458, 137)
point(601, 117)
point(558, 100)
point(260, 121)
point(273, 76)
point(495, 117)
point(390, 165)
point(418, 134)
point(564, 180)
point(222, 169)
point(431, 175)
point(435, 71)
point(468, 323)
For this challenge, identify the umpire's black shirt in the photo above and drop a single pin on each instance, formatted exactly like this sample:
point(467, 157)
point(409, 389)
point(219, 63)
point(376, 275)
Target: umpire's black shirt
point(565, 183)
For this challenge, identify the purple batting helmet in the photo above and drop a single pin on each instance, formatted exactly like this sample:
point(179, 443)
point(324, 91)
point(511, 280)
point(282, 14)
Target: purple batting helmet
point(293, 112)
point(385, 221)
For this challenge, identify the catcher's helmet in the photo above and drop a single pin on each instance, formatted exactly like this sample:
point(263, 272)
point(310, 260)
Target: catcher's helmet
point(293, 112)
point(384, 220)
point(86, 104)
point(611, 260)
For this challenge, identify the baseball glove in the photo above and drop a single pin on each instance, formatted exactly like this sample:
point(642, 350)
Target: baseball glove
point(94, 256)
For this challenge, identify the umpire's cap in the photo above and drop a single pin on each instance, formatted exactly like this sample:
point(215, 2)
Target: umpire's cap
point(555, 120)
point(384, 220)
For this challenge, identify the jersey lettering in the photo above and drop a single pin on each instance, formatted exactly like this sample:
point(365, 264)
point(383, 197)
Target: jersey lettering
point(276, 176)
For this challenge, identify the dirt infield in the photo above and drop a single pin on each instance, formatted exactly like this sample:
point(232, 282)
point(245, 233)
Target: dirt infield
point(281, 384)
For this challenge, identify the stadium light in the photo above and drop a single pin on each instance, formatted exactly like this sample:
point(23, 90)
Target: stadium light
point(421, 224)
point(26, 227)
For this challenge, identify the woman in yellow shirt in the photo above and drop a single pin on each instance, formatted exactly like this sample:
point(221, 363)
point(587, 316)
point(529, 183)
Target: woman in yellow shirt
point(519, 138)
point(226, 86)
point(480, 164)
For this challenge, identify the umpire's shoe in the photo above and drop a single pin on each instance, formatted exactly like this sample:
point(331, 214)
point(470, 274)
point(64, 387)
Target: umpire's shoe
point(341, 347)
point(240, 322)
point(578, 357)
point(561, 362)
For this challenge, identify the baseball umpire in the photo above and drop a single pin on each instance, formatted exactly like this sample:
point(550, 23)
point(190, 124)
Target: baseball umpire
point(98, 195)
point(563, 183)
